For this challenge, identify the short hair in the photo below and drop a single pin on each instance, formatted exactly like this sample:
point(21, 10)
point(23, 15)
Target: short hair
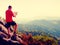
point(9, 6)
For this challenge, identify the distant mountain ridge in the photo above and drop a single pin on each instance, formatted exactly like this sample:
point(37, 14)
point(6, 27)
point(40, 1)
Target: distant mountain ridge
point(47, 26)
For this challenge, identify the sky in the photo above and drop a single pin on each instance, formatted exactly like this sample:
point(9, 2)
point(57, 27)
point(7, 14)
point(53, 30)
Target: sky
point(29, 10)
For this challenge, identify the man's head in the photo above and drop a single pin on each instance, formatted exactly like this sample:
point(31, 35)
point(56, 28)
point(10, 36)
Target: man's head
point(9, 7)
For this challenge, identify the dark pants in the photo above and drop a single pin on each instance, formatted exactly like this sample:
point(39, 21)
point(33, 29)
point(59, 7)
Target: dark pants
point(8, 24)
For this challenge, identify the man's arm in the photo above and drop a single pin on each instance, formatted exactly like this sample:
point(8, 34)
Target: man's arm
point(12, 14)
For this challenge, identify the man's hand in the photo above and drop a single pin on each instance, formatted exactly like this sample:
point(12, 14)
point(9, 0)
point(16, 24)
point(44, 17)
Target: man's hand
point(15, 13)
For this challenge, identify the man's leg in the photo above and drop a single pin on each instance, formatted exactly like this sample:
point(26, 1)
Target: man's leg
point(15, 29)
point(14, 26)
point(7, 25)
point(8, 30)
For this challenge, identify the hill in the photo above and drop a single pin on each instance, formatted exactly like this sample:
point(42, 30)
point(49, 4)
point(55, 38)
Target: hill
point(33, 37)
point(51, 27)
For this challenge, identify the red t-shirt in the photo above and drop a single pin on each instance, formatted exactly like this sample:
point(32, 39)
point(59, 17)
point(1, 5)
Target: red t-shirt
point(9, 15)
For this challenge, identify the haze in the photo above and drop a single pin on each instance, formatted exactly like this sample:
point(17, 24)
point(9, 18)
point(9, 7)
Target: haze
point(29, 10)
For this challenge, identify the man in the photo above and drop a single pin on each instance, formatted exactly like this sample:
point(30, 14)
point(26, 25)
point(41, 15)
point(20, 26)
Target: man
point(9, 20)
